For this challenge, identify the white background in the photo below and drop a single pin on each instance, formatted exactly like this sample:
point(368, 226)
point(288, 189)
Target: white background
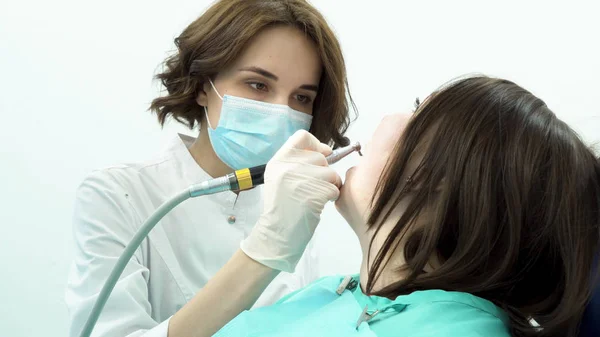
point(76, 81)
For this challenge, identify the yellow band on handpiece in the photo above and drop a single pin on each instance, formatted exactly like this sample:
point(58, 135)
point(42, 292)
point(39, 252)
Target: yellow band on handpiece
point(244, 179)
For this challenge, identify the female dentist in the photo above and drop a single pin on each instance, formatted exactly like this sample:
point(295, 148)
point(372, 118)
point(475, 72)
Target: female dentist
point(249, 74)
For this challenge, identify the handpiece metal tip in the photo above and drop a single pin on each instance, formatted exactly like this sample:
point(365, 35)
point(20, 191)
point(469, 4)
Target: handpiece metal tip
point(341, 153)
point(357, 148)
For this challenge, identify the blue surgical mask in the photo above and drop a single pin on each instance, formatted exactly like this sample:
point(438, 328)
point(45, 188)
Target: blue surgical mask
point(250, 132)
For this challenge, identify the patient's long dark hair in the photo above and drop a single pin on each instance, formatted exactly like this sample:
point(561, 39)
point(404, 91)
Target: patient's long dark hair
point(512, 201)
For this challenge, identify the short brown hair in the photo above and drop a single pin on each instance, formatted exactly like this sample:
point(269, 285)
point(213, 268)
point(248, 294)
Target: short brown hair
point(514, 199)
point(215, 39)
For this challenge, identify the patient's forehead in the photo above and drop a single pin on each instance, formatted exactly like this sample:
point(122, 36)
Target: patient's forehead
point(389, 133)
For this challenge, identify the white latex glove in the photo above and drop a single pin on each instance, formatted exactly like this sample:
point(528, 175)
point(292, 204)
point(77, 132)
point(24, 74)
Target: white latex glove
point(298, 184)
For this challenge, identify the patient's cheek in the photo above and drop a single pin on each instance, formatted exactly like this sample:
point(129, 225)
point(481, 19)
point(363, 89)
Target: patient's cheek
point(364, 183)
point(371, 173)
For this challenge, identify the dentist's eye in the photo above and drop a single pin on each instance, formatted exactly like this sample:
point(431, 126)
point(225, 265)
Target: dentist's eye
point(303, 99)
point(258, 86)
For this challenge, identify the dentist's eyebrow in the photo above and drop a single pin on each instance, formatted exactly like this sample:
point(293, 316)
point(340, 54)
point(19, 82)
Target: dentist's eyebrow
point(268, 74)
point(310, 87)
point(260, 71)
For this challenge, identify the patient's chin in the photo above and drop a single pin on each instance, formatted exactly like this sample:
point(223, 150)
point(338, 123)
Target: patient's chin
point(350, 171)
point(341, 204)
point(350, 203)
point(345, 190)
point(345, 205)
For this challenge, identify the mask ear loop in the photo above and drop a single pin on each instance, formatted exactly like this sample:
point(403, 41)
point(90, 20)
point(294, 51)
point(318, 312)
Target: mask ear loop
point(215, 89)
point(206, 117)
point(205, 109)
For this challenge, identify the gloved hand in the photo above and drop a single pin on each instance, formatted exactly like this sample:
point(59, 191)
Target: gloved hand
point(298, 184)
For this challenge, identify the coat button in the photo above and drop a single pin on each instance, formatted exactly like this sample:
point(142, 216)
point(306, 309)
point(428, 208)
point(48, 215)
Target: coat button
point(231, 220)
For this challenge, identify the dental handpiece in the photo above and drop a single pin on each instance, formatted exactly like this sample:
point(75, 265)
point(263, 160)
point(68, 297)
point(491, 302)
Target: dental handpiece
point(248, 178)
point(341, 153)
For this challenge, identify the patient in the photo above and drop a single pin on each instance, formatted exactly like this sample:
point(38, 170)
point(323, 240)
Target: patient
point(476, 214)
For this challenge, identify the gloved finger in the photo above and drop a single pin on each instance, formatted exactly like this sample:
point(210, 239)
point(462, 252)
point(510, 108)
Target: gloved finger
point(301, 156)
point(323, 174)
point(332, 177)
point(320, 191)
point(331, 181)
point(331, 191)
point(303, 140)
point(337, 180)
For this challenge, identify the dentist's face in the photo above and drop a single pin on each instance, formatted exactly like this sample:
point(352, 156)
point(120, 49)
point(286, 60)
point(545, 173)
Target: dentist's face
point(280, 65)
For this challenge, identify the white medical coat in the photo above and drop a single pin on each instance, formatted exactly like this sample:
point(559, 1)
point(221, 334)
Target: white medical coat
point(181, 254)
